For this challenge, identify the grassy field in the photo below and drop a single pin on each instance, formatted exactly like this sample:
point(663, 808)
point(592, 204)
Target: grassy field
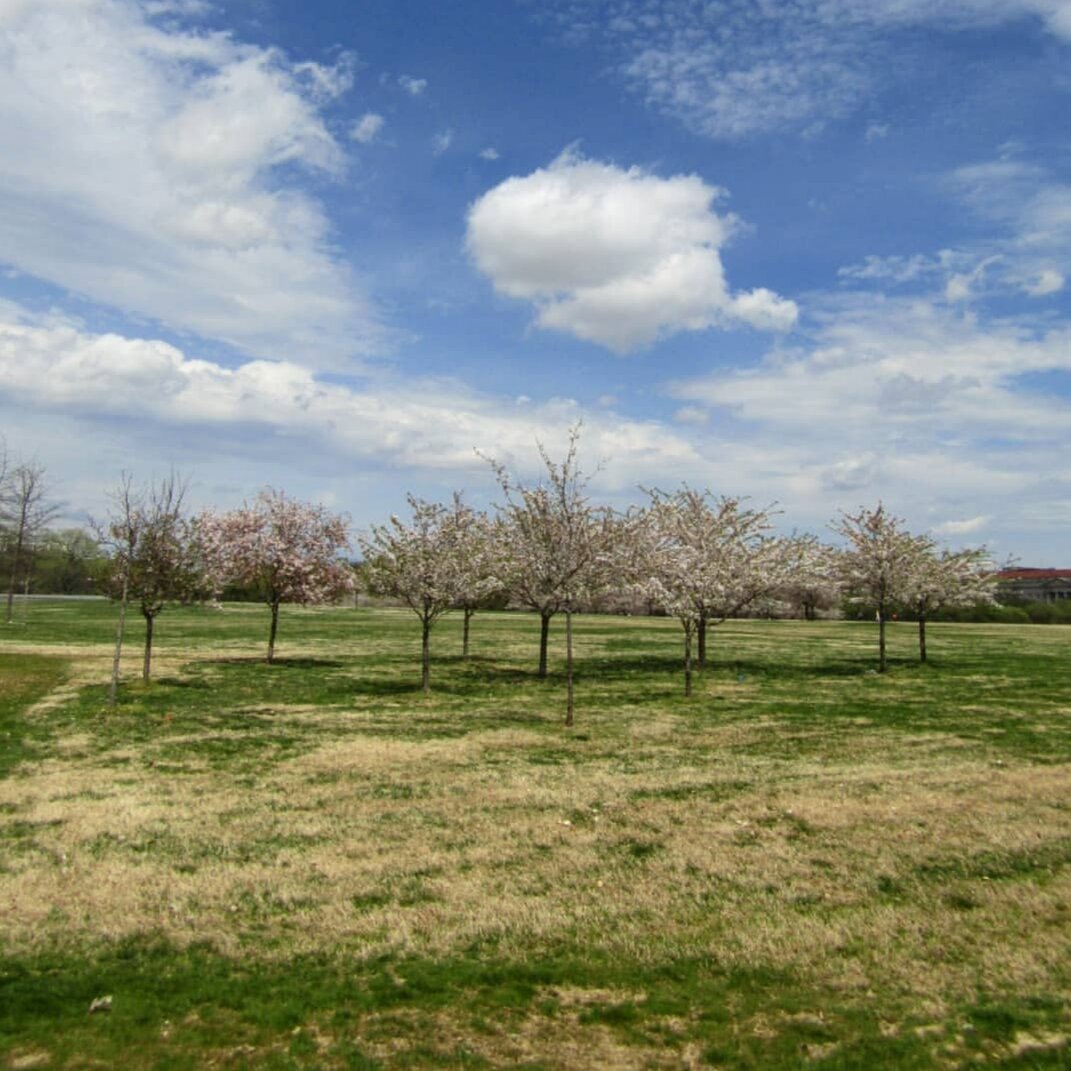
point(310, 865)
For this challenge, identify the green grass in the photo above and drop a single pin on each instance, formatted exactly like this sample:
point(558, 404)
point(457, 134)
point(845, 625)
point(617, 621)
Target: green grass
point(312, 865)
point(24, 678)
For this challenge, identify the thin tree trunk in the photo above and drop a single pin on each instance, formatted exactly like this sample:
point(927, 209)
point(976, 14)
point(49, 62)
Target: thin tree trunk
point(701, 643)
point(146, 665)
point(469, 611)
point(922, 637)
point(544, 635)
point(425, 658)
point(10, 617)
point(113, 687)
point(274, 629)
point(569, 667)
point(881, 638)
point(688, 658)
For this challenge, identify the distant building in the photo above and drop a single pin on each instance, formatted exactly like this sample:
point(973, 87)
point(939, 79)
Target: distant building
point(1035, 585)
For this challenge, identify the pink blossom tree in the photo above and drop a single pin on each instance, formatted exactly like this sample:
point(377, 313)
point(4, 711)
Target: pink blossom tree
point(558, 550)
point(288, 551)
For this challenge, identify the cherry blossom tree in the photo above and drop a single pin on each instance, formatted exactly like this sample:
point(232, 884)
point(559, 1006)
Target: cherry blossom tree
point(432, 563)
point(707, 559)
point(878, 562)
point(558, 550)
point(946, 579)
point(814, 585)
point(477, 562)
point(289, 551)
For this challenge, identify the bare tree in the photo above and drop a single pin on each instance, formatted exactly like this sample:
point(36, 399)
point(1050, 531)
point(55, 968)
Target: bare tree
point(26, 512)
point(155, 560)
point(427, 562)
point(120, 535)
point(288, 551)
point(878, 562)
point(557, 549)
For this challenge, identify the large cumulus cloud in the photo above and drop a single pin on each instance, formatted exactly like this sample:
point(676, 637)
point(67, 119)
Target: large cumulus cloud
point(620, 257)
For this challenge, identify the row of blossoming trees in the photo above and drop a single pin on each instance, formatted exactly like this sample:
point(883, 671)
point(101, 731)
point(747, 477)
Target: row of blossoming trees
point(548, 548)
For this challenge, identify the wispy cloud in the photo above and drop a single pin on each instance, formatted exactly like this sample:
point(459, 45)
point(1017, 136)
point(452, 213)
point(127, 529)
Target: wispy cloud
point(912, 401)
point(736, 70)
point(442, 142)
point(142, 169)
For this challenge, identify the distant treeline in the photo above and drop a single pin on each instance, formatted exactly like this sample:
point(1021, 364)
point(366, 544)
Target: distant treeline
point(1010, 611)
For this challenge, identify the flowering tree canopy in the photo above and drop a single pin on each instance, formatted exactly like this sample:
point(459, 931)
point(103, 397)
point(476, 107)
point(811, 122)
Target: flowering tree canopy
point(961, 577)
point(557, 549)
point(879, 561)
point(478, 564)
point(432, 563)
point(709, 558)
point(288, 551)
point(813, 586)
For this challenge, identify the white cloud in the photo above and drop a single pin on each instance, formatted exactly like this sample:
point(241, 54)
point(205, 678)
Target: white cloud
point(140, 170)
point(965, 527)
point(911, 401)
point(187, 8)
point(1047, 282)
point(441, 142)
point(327, 81)
point(958, 288)
point(413, 86)
point(905, 366)
point(876, 132)
point(53, 365)
point(367, 127)
point(489, 153)
point(618, 257)
point(1034, 211)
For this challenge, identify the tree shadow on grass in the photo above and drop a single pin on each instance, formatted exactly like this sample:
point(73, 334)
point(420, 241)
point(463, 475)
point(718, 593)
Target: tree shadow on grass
point(280, 663)
point(720, 667)
point(365, 686)
point(180, 682)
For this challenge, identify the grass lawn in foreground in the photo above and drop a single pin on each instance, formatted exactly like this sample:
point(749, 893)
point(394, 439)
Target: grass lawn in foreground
point(310, 865)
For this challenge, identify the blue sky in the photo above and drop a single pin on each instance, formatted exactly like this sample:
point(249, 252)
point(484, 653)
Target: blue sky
point(815, 252)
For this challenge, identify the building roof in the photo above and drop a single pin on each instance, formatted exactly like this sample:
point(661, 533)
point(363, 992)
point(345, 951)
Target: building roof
point(1034, 574)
